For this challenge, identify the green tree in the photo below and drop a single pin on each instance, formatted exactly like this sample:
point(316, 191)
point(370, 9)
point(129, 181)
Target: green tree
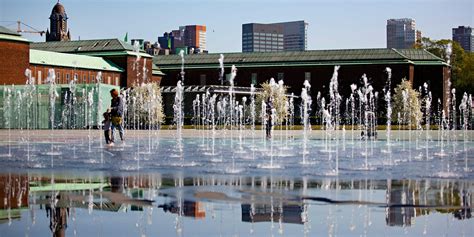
point(462, 68)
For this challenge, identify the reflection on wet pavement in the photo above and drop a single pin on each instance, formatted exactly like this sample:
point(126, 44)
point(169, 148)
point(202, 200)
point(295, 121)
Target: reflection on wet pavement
point(71, 204)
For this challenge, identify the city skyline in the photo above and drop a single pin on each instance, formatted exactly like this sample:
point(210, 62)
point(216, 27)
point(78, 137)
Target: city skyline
point(332, 24)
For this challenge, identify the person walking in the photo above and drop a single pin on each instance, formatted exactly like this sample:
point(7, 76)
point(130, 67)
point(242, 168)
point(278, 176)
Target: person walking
point(116, 111)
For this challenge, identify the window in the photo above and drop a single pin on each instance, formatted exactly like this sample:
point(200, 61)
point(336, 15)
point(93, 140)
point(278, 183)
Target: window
point(67, 79)
point(75, 77)
point(117, 81)
point(84, 78)
point(58, 77)
point(254, 78)
point(39, 78)
point(109, 80)
point(281, 76)
point(203, 79)
point(307, 76)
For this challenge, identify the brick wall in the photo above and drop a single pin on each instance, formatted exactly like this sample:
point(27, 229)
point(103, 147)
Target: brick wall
point(14, 60)
point(64, 75)
point(135, 70)
point(130, 66)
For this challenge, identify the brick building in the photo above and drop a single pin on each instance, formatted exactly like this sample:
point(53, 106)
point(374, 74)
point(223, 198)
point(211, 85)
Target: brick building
point(70, 66)
point(316, 66)
point(118, 52)
point(15, 56)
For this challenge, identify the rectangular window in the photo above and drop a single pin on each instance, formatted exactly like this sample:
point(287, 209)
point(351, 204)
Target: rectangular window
point(75, 77)
point(117, 81)
point(307, 76)
point(39, 78)
point(67, 79)
point(203, 79)
point(84, 78)
point(281, 76)
point(58, 77)
point(109, 81)
point(254, 79)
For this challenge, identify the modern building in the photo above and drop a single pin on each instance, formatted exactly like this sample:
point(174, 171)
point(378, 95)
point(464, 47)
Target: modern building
point(58, 24)
point(401, 33)
point(285, 36)
point(151, 49)
point(191, 38)
point(464, 36)
point(195, 37)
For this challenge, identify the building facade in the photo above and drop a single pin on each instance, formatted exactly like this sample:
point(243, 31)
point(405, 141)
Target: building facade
point(15, 57)
point(401, 33)
point(464, 36)
point(58, 25)
point(195, 37)
point(137, 66)
point(316, 66)
point(191, 38)
point(285, 36)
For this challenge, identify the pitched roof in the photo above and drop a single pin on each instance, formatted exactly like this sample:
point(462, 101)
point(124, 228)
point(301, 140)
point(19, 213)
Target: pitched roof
point(77, 46)
point(6, 31)
point(301, 58)
point(40, 57)
point(7, 34)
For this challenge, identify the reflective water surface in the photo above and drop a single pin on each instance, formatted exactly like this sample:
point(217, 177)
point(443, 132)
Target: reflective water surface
point(150, 204)
point(236, 187)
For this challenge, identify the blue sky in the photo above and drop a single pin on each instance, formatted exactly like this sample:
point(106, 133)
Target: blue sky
point(333, 24)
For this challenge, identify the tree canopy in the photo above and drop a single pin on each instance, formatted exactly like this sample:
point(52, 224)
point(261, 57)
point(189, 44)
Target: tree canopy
point(462, 63)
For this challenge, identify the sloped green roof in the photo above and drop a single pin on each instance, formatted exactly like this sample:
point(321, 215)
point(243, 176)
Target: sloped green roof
point(6, 31)
point(76, 46)
point(40, 57)
point(10, 35)
point(156, 70)
point(116, 53)
point(305, 58)
point(418, 54)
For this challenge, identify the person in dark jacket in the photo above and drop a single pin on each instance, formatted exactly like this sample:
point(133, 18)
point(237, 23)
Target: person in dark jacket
point(269, 111)
point(116, 111)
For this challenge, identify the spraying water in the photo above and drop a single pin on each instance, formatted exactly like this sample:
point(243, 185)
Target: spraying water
point(221, 65)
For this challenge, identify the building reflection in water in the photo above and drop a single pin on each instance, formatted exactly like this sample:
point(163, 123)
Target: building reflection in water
point(287, 213)
point(14, 194)
point(189, 209)
point(407, 199)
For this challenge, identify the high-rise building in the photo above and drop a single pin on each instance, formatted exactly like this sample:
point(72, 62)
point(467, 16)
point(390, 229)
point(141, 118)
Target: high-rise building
point(285, 36)
point(464, 36)
point(195, 37)
point(58, 24)
point(401, 33)
point(189, 37)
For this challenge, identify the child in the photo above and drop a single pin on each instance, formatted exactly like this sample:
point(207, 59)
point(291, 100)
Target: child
point(106, 124)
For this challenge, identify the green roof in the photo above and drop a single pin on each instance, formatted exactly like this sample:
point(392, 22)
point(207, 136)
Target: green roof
point(96, 47)
point(298, 58)
point(156, 70)
point(116, 53)
point(40, 57)
point(68, 187)
point(7, 34)
point(418, 54)
point(6, 31)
